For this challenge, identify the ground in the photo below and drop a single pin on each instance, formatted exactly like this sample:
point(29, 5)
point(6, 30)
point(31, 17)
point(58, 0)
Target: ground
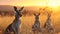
point(27, 22)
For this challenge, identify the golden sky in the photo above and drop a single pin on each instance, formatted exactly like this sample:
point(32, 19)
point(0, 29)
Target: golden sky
point(30, 2)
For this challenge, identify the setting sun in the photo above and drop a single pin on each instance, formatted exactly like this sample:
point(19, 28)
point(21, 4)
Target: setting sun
point(54, 3)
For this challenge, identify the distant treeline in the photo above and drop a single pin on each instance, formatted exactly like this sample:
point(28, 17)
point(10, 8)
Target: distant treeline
point(6, 13)
point(12, 13)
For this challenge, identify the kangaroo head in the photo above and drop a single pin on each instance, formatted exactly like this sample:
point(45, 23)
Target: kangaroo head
point(18, 12)
point(48, 14)
point(37, 16)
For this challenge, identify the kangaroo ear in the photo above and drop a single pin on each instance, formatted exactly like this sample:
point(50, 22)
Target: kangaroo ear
point(15, 8)
point(34, 14)
point(49, 15)
point(38, 13)
point(21, 8)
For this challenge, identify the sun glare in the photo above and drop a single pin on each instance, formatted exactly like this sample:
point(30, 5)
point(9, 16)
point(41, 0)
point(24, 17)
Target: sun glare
point(50, 3)
point(54, 3)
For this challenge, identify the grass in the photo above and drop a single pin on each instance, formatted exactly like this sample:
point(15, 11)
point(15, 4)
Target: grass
point(27, 22)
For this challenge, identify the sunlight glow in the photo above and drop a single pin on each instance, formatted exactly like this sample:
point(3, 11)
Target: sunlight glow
point(50, 3)
point(31, 2)
point(54, 3)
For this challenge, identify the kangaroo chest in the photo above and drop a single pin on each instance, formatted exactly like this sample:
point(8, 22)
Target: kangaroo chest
point(37, 24)
point(16, 23)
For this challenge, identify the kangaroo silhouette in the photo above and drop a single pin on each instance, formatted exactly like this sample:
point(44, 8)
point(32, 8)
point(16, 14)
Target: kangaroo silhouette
point(36, 26)
point(48, 25)
point(14, 26)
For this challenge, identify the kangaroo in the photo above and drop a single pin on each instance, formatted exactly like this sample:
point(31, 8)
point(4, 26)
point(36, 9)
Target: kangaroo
point(14, 26)
point(36, 26)
point(48, 25)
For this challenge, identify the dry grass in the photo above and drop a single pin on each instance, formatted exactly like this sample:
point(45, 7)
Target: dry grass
point(27, 22)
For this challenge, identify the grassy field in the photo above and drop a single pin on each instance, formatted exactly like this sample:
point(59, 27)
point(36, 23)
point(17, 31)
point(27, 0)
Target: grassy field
point(28, 21)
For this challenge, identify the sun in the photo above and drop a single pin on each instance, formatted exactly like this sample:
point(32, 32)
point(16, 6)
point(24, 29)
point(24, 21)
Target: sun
point(53, 3)
point(49, 3)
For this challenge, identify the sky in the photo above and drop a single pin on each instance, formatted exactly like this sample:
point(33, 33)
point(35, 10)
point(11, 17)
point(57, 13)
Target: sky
point(30, 2)
point(20, 2)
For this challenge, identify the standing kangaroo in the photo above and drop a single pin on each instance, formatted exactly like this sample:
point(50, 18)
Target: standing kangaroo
point(36, 27)
point(14, 26)
point(48, 25)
